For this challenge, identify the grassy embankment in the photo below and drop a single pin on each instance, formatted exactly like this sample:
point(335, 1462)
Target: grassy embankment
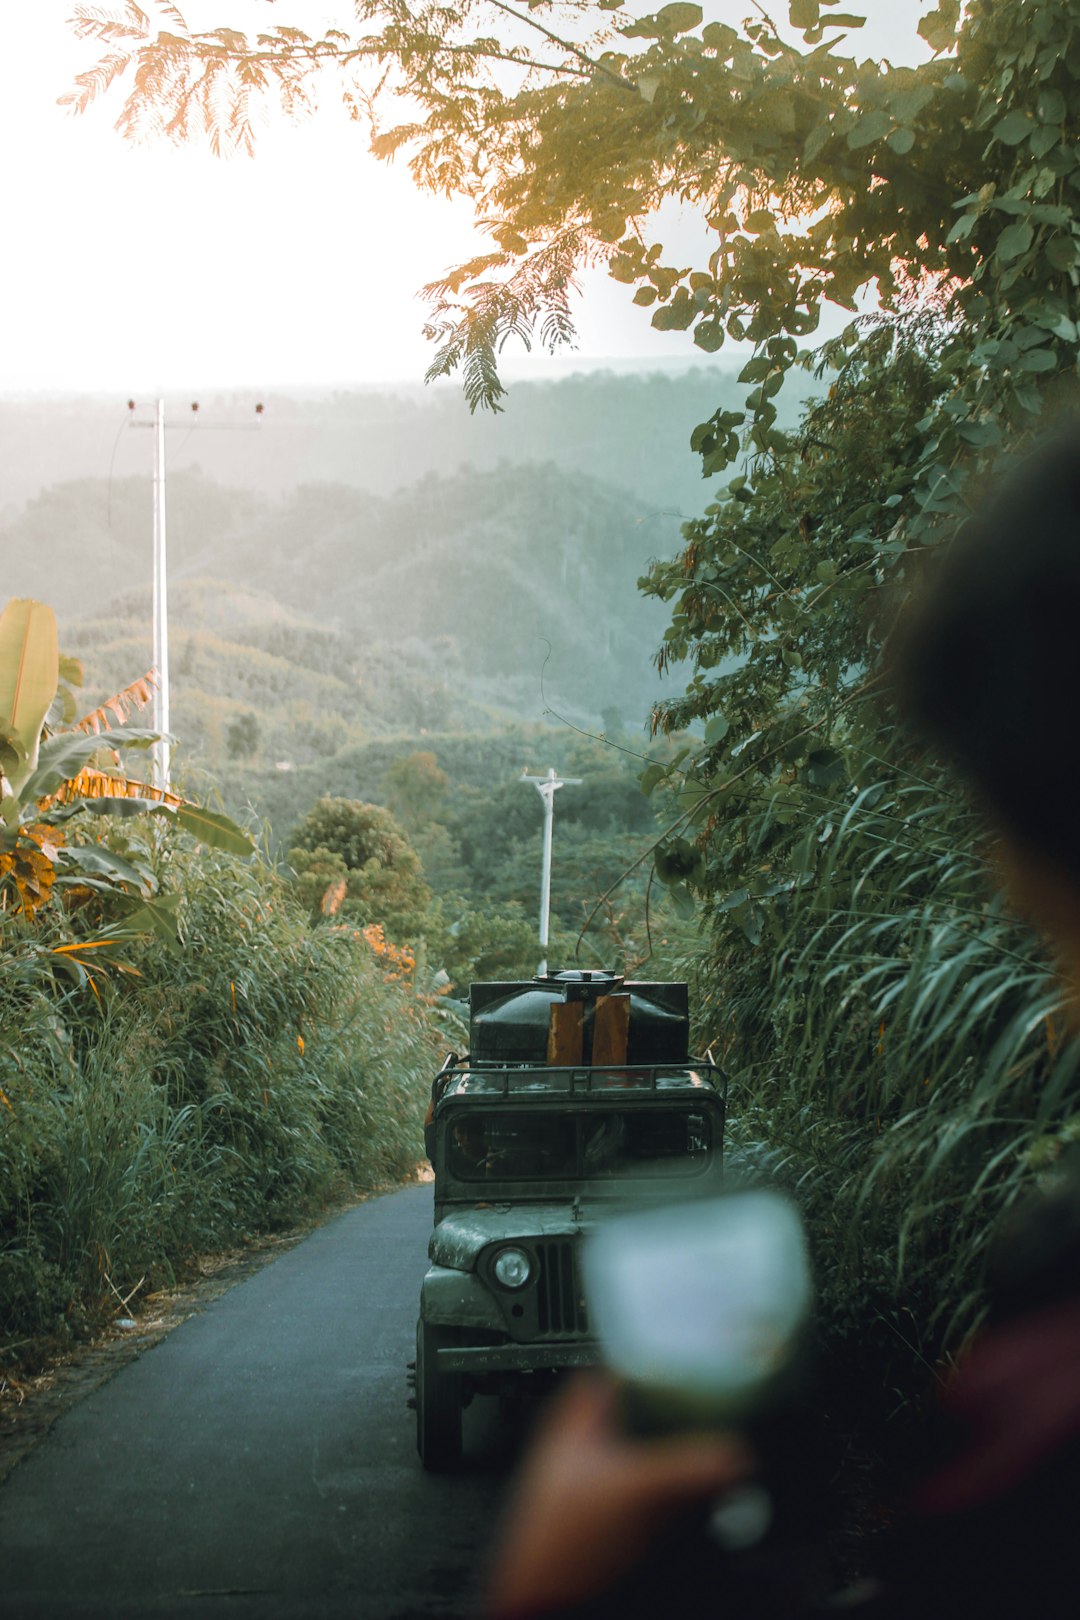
point(231, 1085)
point(900, 1058)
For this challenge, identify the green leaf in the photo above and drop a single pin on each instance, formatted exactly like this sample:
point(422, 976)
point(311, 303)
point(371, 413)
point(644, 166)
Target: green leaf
point(751, 922)
point(709, 335)
point(1014, 240)
point(870, 128)
point(215, 830)
point(1052, 106)
point(1038, 360)
point(29, 671)
point(1063, 327)
point(694, 795)
point(682, 901)
point(63, 756)
point(1013, 128)
point(718, 36)
point(673, 19)
point(211, 828)
point(1061, 252)
point(650, 777)
point(1044, 140)
point(804, 13)
point(901, 141)
point(680, 17)
point(679, 861)
point(621, 267)
point(100, 807)
point(939, 27)
point(817, 139)
point(962, 227)
point(716, 729)
point(157, 916)
point(97, 861)
point(676, 316)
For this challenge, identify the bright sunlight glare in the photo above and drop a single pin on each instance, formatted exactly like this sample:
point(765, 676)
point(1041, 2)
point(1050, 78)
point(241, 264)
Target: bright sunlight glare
point(141, 268)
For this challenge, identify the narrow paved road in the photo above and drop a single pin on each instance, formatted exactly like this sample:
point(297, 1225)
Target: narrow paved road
point(260, 1461)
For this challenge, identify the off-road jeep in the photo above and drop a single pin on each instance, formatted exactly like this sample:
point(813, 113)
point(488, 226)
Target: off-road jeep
point(578, 1095)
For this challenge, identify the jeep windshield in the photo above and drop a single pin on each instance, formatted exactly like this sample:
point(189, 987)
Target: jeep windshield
point(529, 1145)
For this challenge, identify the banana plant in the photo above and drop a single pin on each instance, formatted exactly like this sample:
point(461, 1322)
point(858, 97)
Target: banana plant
point(54, 768)
point(29, 675)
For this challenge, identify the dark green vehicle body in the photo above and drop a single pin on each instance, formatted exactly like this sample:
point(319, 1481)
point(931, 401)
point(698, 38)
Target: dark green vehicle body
point(528, 1155)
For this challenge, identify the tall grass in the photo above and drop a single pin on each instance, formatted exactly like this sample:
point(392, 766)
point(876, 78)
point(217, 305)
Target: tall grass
point(897, 1049)
point(236, 1084)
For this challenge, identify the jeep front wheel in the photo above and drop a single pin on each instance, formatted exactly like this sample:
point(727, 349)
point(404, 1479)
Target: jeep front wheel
point(438, 1402)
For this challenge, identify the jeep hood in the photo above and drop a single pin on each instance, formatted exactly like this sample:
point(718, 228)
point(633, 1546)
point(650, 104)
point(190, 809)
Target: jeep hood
point(459, 1238)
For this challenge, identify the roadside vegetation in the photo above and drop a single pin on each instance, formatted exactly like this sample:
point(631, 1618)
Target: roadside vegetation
point(231, 1084)
point(184, 1059)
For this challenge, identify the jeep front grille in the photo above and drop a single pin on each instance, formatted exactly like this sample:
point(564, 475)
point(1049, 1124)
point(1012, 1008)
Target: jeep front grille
point(560, 1306)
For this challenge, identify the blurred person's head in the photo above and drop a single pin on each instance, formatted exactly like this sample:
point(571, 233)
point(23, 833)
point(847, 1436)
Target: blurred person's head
point(989, 667)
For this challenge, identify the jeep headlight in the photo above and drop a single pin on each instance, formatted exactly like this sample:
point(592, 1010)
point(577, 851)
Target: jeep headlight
point(512, 1268)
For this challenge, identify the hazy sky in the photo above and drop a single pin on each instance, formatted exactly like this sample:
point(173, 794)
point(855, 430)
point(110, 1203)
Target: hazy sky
point(139, 269)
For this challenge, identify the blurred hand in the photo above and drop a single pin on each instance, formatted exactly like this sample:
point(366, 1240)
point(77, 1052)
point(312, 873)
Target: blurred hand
point(590, 1500)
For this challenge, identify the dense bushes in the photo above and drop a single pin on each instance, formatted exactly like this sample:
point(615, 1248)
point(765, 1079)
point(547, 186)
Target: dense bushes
point(893, 1032)
point(896, 1037)
point(234, 1085)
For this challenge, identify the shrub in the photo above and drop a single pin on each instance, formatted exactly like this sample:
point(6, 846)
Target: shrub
point(235, 1084)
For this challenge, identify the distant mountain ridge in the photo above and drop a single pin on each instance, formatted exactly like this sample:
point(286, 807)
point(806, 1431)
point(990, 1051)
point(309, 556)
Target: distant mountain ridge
point(368, 565)
point(318, 622)
point(629, 429)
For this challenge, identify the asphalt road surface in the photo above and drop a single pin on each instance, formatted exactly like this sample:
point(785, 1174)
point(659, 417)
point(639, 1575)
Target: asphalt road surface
point(261, 1461)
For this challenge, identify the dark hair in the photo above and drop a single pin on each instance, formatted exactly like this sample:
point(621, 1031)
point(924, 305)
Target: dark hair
point(988, 662)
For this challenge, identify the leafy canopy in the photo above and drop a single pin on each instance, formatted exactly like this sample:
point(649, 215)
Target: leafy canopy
point(950, 188)
point(568, 125)
point(352, 858)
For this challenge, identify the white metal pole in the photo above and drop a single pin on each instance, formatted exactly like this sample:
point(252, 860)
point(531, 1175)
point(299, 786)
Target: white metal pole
point(547, 786)
point(161, 604)
point(547, 793)
point(161, 755)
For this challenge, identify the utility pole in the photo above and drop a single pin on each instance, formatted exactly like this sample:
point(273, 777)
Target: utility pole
point(547, 786)
point(161, 752)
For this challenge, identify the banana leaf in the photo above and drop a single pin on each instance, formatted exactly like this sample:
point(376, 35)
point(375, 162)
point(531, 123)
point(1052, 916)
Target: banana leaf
point(29, 670)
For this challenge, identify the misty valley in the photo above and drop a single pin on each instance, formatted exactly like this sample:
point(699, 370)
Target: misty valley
point(407, 628)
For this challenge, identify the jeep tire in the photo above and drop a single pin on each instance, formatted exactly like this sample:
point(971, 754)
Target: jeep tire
point(438, 1402)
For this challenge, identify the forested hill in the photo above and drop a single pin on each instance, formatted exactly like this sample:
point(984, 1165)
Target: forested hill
point(630, 430)
point(365, 565)
point(332, 616)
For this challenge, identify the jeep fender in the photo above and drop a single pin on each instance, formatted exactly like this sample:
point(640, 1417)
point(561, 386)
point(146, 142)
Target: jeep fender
point(458, 1299)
